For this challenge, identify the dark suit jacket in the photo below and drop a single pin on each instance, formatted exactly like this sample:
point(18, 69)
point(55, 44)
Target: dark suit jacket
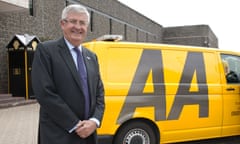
point(57, 88)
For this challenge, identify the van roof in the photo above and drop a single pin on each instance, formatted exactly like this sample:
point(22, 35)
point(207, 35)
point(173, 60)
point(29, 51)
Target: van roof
point(115, 41)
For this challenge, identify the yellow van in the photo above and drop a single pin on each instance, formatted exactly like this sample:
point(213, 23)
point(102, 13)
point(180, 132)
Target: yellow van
point(158, 93)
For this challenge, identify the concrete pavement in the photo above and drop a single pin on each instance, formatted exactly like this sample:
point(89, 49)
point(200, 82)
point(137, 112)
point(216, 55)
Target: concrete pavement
point(19, 125)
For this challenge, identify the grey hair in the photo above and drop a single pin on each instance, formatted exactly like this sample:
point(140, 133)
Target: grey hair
point(76, 8)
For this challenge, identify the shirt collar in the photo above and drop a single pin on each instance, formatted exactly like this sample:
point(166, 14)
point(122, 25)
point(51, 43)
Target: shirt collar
point(70, 46)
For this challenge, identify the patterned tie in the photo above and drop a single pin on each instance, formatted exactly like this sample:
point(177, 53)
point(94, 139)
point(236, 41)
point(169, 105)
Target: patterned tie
point(83, 77)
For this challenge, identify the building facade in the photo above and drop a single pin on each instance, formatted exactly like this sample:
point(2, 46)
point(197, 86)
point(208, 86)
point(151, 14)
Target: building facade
point(41, 18)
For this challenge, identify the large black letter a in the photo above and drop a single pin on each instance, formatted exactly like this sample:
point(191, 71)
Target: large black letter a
point(150, 60)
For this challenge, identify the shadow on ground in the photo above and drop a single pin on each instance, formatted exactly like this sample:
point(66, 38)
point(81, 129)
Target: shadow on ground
point(227, 140)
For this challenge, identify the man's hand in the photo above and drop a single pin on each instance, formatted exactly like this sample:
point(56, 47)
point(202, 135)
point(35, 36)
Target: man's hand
point(85, 128)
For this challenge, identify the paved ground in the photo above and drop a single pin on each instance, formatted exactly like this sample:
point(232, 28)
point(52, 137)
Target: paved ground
point(18, 125)
point(227, 140)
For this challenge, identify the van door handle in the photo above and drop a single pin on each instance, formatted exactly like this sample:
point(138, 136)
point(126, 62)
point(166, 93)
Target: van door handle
point(230, 89)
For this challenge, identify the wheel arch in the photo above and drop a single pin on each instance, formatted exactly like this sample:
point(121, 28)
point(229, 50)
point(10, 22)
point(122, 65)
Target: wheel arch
point(147, 121)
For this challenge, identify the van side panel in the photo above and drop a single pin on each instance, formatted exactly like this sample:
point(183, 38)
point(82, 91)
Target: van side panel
point(192, 80)
point(177, 88)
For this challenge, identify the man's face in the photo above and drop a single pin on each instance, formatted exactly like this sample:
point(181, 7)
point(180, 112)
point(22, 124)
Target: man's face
point(75, 28)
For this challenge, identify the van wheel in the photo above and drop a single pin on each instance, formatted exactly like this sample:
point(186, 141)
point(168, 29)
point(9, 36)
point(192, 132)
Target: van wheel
point(135, 132)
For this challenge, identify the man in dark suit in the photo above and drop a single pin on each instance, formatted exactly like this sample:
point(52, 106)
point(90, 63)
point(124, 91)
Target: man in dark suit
point(71, 108)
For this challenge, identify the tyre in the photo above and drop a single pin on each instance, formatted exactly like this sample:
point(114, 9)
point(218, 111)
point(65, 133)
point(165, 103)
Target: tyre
point(136, 132)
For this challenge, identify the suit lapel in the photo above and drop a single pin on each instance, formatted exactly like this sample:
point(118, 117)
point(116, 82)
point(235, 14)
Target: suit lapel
point(87, 59)
point(66, 55)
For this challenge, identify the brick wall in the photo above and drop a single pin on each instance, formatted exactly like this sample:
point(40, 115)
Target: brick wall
point(45, 25)
point(108, 17)
point(197, 35)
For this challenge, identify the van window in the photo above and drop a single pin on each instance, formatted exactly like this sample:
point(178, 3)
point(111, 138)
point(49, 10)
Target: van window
point(231, 64)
